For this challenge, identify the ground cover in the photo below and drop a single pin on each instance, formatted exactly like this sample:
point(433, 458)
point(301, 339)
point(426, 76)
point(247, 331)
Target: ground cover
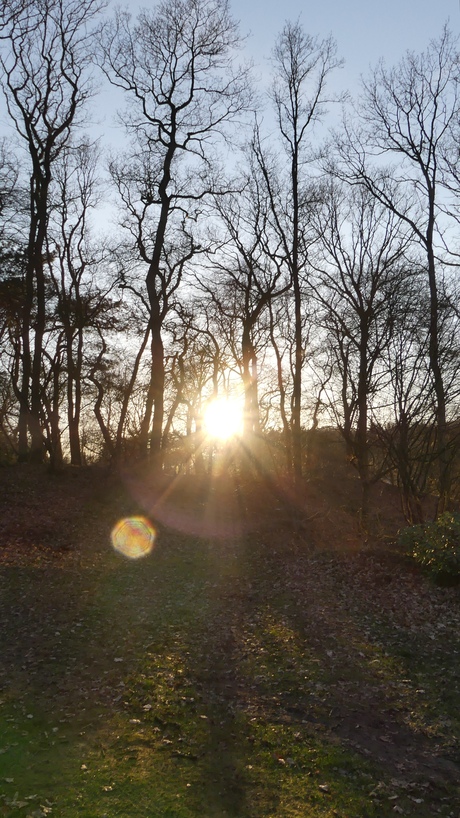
point(266, 660)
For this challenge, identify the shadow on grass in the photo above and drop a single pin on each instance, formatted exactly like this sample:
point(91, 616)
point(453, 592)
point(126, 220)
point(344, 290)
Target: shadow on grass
point(222, 676)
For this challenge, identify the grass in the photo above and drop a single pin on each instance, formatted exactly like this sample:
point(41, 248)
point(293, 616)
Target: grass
point(246, 677)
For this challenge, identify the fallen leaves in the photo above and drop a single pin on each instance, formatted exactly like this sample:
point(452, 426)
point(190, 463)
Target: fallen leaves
point(17, 803)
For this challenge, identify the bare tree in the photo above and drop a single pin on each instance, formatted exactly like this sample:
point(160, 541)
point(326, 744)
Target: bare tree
point(75, 193)
point(177, 66)
point(409, 114)
point(361, 270)
point(45, 53)
point(407, 430)
point(301, 66)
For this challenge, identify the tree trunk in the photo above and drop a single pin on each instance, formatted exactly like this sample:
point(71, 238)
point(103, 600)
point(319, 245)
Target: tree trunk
point(157, 309)
point(127, 397)
point(74, 396)
point(251, 419)
point(36, 404)
point(298, 354)
point(55, 446)
point(361, 444)
point(25, 362)
point(444, 478)
point(37, 238)
point(282, 394)
point(158, 385)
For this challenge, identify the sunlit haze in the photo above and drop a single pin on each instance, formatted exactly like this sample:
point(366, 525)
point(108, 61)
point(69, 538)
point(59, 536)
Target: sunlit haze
point(223, 418)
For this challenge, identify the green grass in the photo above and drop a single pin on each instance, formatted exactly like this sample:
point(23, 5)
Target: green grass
point(184, 756)
point(191, 684)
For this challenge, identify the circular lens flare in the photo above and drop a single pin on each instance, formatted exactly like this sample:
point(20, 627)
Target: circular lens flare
point(134, 537)
point(223, 418)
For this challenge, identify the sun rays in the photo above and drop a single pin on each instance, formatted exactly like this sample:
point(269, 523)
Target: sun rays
point(223, 419)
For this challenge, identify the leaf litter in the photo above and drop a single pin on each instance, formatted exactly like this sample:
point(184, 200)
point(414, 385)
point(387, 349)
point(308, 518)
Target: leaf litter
point(264, 639)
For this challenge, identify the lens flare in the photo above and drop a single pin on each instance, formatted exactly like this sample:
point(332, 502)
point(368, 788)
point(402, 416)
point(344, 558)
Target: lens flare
point(223, 418)
point(133, 537)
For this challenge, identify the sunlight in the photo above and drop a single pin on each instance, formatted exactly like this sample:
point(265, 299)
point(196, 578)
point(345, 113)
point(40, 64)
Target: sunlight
point(133, 537)
point(223, 418)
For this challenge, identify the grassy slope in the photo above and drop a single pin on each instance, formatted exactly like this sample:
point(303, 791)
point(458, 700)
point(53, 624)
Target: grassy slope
point(236, 671)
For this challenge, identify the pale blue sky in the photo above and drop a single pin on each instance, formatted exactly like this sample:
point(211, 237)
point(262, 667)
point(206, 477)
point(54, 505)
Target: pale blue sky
point(365, 30)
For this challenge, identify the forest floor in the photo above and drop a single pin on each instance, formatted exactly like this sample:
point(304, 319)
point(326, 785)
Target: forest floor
point(267, 659)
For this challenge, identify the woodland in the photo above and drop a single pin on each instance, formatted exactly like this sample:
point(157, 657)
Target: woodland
point(229, 421)
point(305, 274)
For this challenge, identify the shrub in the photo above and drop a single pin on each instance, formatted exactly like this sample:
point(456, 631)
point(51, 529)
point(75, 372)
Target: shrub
point(435, 547)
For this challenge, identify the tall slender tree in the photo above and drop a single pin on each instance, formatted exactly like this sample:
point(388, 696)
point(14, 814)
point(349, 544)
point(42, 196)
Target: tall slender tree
point(79, 301)
point(301, 67)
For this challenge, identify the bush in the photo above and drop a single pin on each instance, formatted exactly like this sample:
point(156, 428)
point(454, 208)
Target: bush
point(436, 547)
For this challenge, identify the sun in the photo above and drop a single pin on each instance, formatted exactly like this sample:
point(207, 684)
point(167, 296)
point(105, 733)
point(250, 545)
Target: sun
point(223, 418)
